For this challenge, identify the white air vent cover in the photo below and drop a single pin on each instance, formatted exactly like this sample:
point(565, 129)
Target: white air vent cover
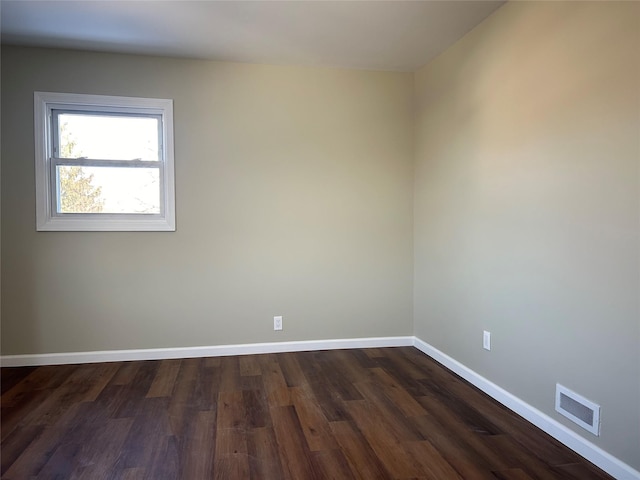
point(578, 409)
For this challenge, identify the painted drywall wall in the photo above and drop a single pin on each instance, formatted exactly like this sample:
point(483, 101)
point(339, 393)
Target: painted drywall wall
point(293, 198)
point(527, 207)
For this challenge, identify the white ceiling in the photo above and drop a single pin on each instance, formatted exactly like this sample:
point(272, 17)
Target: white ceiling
point(378, 35)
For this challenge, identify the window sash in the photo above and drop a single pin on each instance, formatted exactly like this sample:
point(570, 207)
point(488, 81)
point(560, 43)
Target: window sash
point(82, 162)
point(56, 162)
point(101, 112)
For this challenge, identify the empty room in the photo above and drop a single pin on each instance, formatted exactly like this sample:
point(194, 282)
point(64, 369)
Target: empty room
point(320, 240)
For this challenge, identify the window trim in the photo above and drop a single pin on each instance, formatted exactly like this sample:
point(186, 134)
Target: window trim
point(47, 218)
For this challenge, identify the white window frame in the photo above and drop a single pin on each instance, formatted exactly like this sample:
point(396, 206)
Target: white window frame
point(47, 217)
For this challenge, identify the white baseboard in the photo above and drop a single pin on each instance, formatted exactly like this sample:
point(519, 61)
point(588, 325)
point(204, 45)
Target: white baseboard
point(196, 352)
point(564, 435)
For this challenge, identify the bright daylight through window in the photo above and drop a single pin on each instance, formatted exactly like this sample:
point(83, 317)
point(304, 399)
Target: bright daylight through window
point(104, 163)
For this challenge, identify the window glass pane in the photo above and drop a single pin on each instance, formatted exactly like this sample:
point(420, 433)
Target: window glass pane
point(108, 137)
point(84, 189)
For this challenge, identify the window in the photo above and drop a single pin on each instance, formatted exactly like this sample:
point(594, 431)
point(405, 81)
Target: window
point(103, 163)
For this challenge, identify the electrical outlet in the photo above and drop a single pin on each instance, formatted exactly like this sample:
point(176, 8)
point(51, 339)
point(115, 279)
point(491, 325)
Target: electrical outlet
point(486, 340)
point(277, 323)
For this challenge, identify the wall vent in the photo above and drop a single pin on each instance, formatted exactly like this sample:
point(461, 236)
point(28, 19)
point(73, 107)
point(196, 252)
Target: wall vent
point(578, 409)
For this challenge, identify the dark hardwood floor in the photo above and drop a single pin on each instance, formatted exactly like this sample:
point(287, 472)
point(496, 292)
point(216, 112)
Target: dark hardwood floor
point(389, 413)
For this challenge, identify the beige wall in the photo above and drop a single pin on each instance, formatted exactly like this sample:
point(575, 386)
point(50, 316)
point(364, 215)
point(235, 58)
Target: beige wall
point(527, 207)
point(294, 198)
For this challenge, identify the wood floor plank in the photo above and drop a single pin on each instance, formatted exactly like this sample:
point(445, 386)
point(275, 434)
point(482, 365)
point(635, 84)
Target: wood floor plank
point(165, 379)
point(275, 385)
point(136, 391)
point(256, 409)
point(375, 352)
point(208, 382)
point(382, 436)
point(432, 462)
point(16, 443)
point(577, 471)
point(458, 409)
point(146, 434)
point(406, 372)
point(230, 374)
point(384, 413)
point(329, 400)
point(11, 376)
point(312, 421)
point(350, 366)
point(512, 474)
point(293, 374)
point(36, 455)
point(76, 389)
point(397, 395)
point(264, 460)
point(47, 377)
point(406, 363)
point(331, 465)
point(454, 449)
point(512, 455)
point(364, 361)
point(469, 438)
point(201, 447)
point(44, 407)
point(212, 362)
point(295, 457)
point(231, 455)
point(61, 463)
point(340, 379)
point(181, 405)
point(126, 372)
point(100, 448)
point(100, 378)
point(105, 405)
point(251, 383)
point(249, 366)
point(166, 461)
point(362, 460)
point(133, 474)
point(21, 414)
point(231, 449)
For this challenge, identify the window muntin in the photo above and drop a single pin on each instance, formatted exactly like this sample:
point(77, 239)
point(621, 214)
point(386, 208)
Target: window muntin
point(104, 163)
